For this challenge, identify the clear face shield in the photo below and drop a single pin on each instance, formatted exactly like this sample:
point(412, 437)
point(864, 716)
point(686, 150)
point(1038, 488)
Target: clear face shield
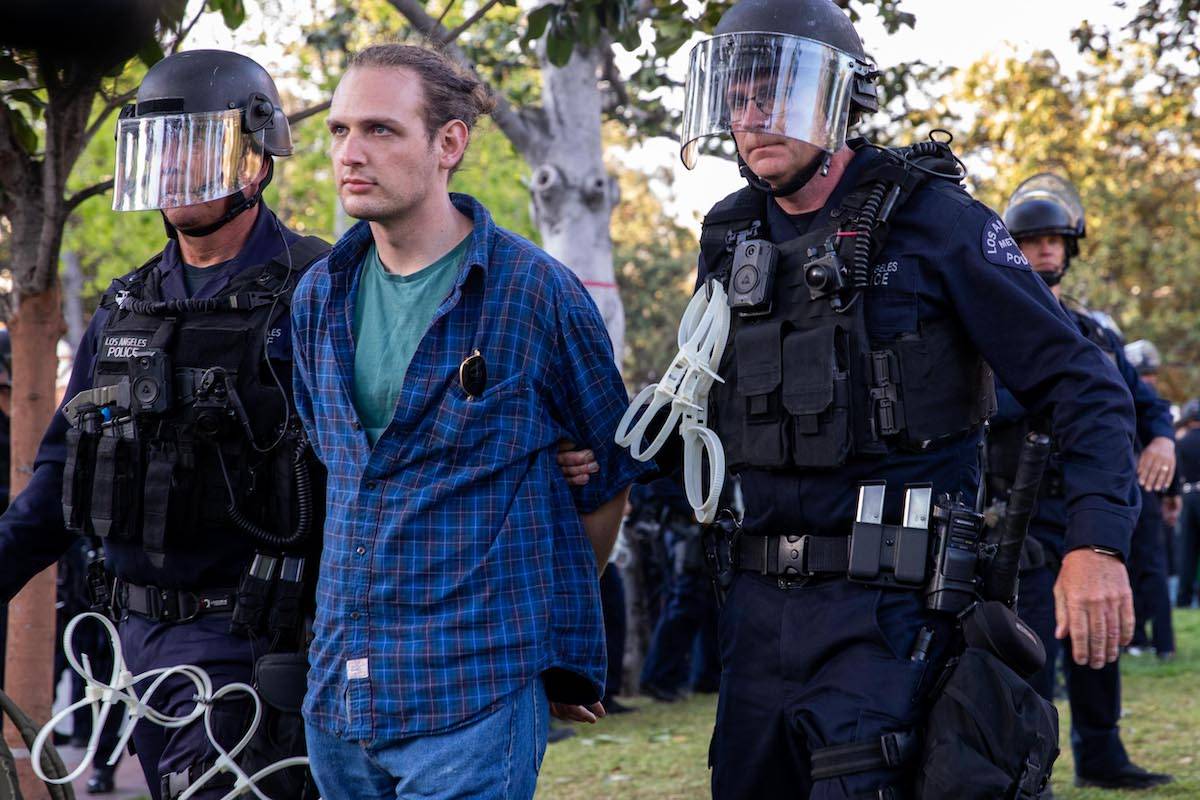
point(173, 160)
point(768, 83)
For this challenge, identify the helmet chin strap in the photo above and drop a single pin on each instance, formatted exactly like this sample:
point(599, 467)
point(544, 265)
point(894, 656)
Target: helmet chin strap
point(798, 181)
point(1054, 277)
point(241, 204)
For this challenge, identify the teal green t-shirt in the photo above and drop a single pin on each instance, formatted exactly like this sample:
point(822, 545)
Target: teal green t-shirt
point(391, 315)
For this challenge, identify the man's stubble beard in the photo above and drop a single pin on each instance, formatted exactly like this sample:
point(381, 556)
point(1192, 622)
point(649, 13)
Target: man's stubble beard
point(382, 209)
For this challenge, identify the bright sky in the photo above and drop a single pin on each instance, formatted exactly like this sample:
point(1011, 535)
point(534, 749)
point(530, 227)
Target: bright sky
point(949, 32)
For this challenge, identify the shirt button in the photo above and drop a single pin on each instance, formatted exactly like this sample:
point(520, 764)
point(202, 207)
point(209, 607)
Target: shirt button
point(354, 615)
point(360, 550)
point(356, 425)
point(372, 485)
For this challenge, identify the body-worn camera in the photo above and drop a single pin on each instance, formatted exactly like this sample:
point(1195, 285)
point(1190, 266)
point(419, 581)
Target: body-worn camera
point(823, 273)
point(752, 278)
point(211, 407)
point(150, 381)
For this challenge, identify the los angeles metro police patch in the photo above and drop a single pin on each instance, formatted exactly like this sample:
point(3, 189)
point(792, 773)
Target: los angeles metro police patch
point(1000, 248)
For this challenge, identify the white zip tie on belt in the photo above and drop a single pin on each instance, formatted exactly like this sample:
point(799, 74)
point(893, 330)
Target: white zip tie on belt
point(703, 333)
point(101, 697)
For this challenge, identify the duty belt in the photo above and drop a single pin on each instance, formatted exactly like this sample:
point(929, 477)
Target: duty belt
point(794, 555)
point(169, 605)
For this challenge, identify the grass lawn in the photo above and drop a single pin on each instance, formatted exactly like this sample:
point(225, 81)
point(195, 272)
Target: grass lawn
point(660, 752)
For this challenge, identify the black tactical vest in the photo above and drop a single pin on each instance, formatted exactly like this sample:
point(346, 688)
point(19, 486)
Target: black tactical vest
point(189, 427)
point(805, 386)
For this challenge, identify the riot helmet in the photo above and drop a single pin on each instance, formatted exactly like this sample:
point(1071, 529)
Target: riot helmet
point(792, 68)
point(202, 126)
point(1047, 205)
point(1190, 412)
point(1144, 357)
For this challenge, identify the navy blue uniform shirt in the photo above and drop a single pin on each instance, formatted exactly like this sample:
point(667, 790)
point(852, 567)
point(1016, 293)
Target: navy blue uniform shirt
point(32, 532)
point(1153, 418)
point(949, 256)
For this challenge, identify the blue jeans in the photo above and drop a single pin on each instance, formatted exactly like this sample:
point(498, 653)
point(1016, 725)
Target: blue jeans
point(494, 756)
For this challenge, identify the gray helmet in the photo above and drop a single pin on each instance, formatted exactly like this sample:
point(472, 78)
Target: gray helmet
point(818, 20)
point(1144, 357)
point(198, 81)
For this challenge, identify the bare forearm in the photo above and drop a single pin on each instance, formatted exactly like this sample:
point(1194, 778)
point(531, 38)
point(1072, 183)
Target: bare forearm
point(602, 526)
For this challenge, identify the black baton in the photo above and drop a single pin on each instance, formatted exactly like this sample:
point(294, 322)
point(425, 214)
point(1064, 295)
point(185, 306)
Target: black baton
point(1001, 581)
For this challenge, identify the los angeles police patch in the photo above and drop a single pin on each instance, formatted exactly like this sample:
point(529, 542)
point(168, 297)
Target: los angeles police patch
point(1000, 248)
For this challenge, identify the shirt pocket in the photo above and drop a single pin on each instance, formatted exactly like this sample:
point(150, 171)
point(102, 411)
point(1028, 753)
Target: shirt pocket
point(891, 297)
point(499, 427)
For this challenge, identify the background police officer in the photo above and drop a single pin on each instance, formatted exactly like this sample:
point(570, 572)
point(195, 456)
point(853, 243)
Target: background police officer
point(1150, 554)
point(178, 436)
point(1188, 542)
point(683, 653)
point(884, 264)
point(1046, 218)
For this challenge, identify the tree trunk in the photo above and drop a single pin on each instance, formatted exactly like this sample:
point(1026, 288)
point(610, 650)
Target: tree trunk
point(35, 328)
point(572, 193)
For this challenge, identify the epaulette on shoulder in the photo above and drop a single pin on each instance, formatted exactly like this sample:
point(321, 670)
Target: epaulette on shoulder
point(129, 281)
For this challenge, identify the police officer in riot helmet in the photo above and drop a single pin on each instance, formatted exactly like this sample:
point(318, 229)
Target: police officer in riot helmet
point(177, 446)
point(1146, 359)
point(868, 294)
point(1046, 216)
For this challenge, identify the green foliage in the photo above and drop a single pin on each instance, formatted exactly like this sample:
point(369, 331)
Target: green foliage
point(1133, 152)
point(496, 176)
point(581, 23)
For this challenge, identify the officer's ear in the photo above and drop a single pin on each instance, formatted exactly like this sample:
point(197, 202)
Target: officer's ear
point(255, 185)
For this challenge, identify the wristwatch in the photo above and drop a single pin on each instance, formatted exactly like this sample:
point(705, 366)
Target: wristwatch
point(1107, 551)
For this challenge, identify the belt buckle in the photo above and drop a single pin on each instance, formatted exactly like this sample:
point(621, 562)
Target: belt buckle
point(792, 554)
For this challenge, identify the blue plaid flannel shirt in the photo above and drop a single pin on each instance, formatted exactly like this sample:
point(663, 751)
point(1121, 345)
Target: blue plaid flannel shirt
point(455, 566)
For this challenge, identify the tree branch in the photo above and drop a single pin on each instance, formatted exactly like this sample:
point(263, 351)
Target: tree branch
point(445, 11)
point(305, 113)
point(471, 20)
point(187, 29)
point(74, 201)
point(510, 120)
point(15, 164)
point(618, 94)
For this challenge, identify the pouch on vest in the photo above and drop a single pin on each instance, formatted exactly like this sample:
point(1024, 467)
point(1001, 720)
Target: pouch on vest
point(116, 489)
point(989, 735)
point(943, 383)
point(816, 394)
point(77, 478)
point(764, 435)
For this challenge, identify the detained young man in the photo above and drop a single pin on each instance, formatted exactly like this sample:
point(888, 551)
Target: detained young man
point(440, 360)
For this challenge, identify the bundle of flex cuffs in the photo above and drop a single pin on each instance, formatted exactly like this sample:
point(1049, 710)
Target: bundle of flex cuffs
point(118, 695)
